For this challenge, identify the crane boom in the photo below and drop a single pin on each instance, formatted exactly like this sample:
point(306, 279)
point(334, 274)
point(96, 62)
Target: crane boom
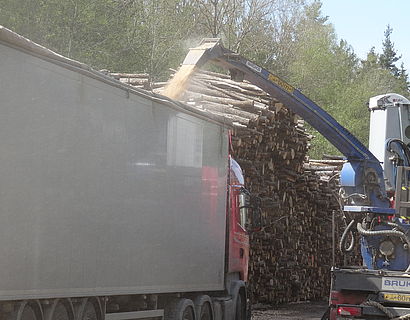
point(362, 174)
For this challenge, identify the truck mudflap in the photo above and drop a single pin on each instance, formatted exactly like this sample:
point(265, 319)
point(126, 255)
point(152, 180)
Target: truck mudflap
point(369, 294)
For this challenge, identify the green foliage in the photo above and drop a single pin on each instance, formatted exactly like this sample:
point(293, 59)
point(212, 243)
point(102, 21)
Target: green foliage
point(330, 73)
point(77, 29)
point(289, 37)
point(389, 56)
point(120, 35)
point(403, 77)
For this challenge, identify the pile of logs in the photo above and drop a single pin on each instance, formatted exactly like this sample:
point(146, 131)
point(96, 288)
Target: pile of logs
point(292, 255)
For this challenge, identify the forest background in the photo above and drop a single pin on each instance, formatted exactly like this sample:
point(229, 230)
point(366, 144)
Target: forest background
point(291, 38)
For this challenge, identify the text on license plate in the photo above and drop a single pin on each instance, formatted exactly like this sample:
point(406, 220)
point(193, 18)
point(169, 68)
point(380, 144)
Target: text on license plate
point(397, 297)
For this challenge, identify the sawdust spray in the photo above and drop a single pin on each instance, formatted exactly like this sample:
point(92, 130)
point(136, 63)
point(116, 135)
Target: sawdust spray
point(177, 85)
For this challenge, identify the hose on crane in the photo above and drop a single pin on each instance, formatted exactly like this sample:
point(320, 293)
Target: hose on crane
point(397, 226)
point(402, 153)
point(391, 233)
point(342, 243)
point(385, 310)
point(380, 307)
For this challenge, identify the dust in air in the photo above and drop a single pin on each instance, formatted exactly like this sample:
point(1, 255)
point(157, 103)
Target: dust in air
point(178, 84)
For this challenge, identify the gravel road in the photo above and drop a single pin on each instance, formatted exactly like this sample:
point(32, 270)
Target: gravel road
point(294, 311)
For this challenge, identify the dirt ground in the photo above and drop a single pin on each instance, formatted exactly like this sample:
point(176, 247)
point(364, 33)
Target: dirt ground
point(294, 311)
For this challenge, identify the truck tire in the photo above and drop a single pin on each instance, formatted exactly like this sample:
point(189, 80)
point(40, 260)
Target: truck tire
point(90, 309)
point(61, 309)
point(180, 309)
point(203, 308)
point(27, 310)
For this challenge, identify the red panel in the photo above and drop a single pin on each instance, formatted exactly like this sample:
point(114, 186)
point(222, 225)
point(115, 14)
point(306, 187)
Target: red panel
point(238, 238)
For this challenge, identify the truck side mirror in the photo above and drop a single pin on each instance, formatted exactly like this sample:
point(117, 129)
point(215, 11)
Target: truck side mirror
point(250, 211)
point(256, 215)
point(244, 205)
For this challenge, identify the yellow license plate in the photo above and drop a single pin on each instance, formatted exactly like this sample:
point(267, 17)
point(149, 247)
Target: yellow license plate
point(396, 297)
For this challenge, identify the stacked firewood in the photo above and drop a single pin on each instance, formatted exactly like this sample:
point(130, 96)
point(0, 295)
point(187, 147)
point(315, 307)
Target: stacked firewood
point(291, 256)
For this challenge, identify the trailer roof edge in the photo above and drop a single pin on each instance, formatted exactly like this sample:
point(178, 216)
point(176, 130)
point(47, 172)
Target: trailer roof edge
point(13, 39)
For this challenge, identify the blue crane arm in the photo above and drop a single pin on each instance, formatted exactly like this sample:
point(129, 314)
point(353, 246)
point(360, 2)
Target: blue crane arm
point(319, 119)
point(362, 163)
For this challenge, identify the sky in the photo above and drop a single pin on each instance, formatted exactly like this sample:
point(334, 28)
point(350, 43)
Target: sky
point(362, 24)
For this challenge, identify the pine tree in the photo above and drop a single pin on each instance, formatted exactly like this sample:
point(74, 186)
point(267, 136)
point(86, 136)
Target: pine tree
point(404, 79)
point(389, 56)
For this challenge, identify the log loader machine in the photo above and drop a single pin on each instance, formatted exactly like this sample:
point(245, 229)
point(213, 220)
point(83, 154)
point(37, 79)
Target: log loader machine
point(374, 188)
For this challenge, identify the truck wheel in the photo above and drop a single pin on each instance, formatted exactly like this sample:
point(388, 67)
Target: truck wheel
point(27, 311)
point(60, 310)
point(90, 310)
point(203, 308)
point(180, 309)
point(240, 309)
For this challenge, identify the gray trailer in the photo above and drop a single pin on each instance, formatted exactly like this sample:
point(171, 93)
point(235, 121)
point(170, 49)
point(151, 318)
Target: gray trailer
point(113, 199)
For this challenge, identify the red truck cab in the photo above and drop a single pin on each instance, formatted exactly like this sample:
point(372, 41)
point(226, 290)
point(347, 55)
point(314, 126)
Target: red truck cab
point(238, 209)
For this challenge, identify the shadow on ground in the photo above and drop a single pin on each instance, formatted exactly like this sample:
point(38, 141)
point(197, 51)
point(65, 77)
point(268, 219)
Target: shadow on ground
point(309, 310)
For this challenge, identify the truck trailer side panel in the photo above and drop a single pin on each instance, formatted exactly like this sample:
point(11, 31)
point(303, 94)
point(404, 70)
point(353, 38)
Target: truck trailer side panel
point(103, 190)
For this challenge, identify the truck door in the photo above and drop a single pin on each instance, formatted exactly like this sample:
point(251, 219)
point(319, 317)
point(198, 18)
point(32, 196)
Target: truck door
point(238, 236)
